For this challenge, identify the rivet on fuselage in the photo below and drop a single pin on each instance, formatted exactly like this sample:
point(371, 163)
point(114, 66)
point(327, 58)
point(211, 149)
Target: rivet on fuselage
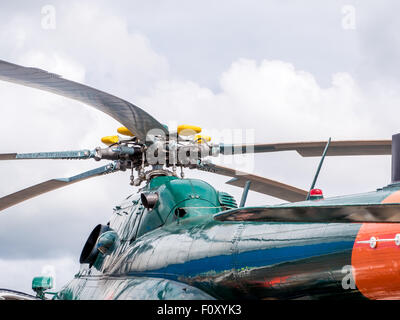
point(372, 242)
point(397, 239)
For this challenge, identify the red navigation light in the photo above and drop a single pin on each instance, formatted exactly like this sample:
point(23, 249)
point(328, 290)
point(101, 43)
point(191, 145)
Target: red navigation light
point(316, 194)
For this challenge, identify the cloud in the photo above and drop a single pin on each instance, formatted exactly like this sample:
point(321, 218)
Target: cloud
point(273, 97)
point(379, 41)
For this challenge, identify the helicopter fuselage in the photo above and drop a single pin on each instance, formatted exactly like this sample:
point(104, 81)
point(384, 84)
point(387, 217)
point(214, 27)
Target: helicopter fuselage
point(177, 250)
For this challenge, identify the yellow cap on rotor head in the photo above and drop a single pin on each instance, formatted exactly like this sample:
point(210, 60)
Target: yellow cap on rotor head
point(108, 140)
point(125, 131)
point(200, 138)
point(188, 130)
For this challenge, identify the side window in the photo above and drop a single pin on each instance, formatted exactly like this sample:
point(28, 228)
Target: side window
point(127, 219)
point(124, 218)
point(118, 220)
point(134, 223)
point(150, 220)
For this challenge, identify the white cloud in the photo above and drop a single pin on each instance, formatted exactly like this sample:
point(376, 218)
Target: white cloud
point(274, 98)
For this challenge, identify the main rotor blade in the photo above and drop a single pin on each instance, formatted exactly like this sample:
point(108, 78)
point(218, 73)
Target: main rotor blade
point(315, 213)
point(134, 118)
point(315, 149)
point(49, 185)
point(260, 184)
point(80, 154)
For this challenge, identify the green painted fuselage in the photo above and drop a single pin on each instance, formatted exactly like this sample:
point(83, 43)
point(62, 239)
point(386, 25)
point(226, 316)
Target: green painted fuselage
point(178, 250)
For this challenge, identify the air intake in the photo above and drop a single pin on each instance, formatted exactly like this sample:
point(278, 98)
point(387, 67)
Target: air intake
point(227, 201)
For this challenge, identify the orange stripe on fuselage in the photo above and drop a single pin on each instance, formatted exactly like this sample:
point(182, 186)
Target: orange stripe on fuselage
point(377, 270)
point(392, 198)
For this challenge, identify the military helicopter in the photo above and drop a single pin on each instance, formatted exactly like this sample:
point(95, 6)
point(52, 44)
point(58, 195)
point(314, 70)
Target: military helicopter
point(180, 238)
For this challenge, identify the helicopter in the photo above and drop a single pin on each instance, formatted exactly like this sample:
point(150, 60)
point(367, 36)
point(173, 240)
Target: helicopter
point(179, 238)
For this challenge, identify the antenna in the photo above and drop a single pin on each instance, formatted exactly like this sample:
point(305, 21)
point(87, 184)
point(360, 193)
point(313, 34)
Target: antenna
point(244, 194)
point(319, 168)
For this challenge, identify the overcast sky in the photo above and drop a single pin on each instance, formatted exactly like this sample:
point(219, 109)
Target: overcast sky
point(289, 70)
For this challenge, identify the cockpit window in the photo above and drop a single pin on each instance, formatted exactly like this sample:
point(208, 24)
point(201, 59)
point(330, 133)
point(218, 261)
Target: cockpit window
point(126, 219)
point(150, 221)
